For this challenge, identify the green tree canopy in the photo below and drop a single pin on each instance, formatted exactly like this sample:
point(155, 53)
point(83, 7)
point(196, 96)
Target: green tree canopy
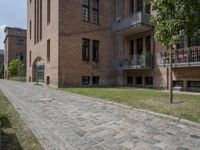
point(16, 68)
point(169, 18)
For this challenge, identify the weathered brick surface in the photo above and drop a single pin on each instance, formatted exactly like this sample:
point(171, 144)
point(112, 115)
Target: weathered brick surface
point(13, 34)
point(66, 31)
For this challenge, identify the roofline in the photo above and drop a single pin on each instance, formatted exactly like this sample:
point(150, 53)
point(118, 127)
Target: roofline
point(13, 36)
point(17, 28)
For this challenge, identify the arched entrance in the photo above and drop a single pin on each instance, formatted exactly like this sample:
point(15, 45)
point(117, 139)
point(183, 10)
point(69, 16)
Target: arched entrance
point(38, 70)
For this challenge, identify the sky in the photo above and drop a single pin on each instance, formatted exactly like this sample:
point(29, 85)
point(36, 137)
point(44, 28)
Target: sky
point(12, 13)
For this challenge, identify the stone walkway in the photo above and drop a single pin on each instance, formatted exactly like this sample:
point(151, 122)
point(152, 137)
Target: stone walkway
point(69, 122)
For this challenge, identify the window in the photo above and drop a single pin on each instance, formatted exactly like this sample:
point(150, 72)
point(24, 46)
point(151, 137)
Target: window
point(40, 32)
point(193, 84)
point(95, 80)
point(138, 80)
point(147, 8)
point(194, 41)
point(37, 21)
point(129, 80)
point(132, 47)
point(20, 41)
point(85, 49)
point(18, 33)
point(48, 11)
point(48, 80)
point(85, 80)
point(180, 44)
point(132, 6)
point(95, 12)
point(85, 10)
point(149, 81)
point(48, 50)
point(139, 46)
point(30, 29)
point(20, 56)
point(95, 51)
point(140, 5)
point(148, 43)
point(177, 83)
point(30, 58)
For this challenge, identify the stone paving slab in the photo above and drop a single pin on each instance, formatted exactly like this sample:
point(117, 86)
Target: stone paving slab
point(63, 121)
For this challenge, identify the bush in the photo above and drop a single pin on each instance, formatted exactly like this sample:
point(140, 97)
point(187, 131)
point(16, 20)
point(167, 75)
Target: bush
point(16, 68)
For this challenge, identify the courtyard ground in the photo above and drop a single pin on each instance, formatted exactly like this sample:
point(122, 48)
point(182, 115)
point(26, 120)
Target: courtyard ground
point(186, 106)
point(64, 121)
point(15, 134)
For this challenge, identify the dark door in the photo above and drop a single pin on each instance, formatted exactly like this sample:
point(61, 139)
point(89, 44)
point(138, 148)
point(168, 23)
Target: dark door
point(40, 73)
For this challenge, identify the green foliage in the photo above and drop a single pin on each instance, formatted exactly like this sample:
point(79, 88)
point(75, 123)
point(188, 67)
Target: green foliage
point(166, 21)
point(16, 68)
point(173, 15)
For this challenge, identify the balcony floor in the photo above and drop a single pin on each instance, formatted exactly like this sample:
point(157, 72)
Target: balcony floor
point(182, 65)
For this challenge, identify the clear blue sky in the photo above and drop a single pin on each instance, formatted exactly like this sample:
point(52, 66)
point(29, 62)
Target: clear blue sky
point(12, 13)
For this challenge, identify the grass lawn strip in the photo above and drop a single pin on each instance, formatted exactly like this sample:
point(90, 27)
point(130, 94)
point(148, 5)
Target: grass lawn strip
point(185, 107)
point(15, 134)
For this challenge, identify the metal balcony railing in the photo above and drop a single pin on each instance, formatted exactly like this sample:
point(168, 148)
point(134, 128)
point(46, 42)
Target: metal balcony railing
point(186, 57)
point(137, 18)
point(137, 62)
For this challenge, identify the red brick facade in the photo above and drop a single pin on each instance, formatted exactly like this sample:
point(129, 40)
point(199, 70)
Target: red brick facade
point(57, 29)
point(15, 46)
point(66, 31)
point(132, 25)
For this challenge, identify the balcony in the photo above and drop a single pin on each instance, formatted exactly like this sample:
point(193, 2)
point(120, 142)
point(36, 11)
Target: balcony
point(186, 57)
point(138, 22)
point(137, 62)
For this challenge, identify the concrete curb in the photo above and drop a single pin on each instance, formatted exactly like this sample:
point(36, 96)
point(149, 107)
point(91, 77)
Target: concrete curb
point(147, 112)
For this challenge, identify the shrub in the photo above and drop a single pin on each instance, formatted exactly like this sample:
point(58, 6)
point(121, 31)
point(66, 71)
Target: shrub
point(16, 68)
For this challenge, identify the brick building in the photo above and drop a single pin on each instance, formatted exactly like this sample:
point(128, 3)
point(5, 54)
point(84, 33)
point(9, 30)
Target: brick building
point(101, 42)
point(71, 43)
point(141, 61)
point(1, 62)
point(15, 46)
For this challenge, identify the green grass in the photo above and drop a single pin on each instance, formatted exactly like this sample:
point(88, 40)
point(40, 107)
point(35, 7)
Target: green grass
point(21, 79)
point(15, 134)
point(186, 106)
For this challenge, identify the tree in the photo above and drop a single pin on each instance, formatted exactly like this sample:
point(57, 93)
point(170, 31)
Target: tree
point(1, 71)
point(16, 68)
point(170, 17)
point(190, 18)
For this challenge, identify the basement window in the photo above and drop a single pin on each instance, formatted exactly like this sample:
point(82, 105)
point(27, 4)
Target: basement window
point(177, 83)
point(138, 80)
point(85, 80)
point(129, 80)
point(149, 81)
point(95, 80)
point(193, 84)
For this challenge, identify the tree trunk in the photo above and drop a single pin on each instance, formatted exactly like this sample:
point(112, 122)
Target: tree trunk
point(170, 76)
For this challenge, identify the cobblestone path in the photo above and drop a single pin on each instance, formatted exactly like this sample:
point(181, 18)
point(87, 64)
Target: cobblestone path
point(64, 121)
